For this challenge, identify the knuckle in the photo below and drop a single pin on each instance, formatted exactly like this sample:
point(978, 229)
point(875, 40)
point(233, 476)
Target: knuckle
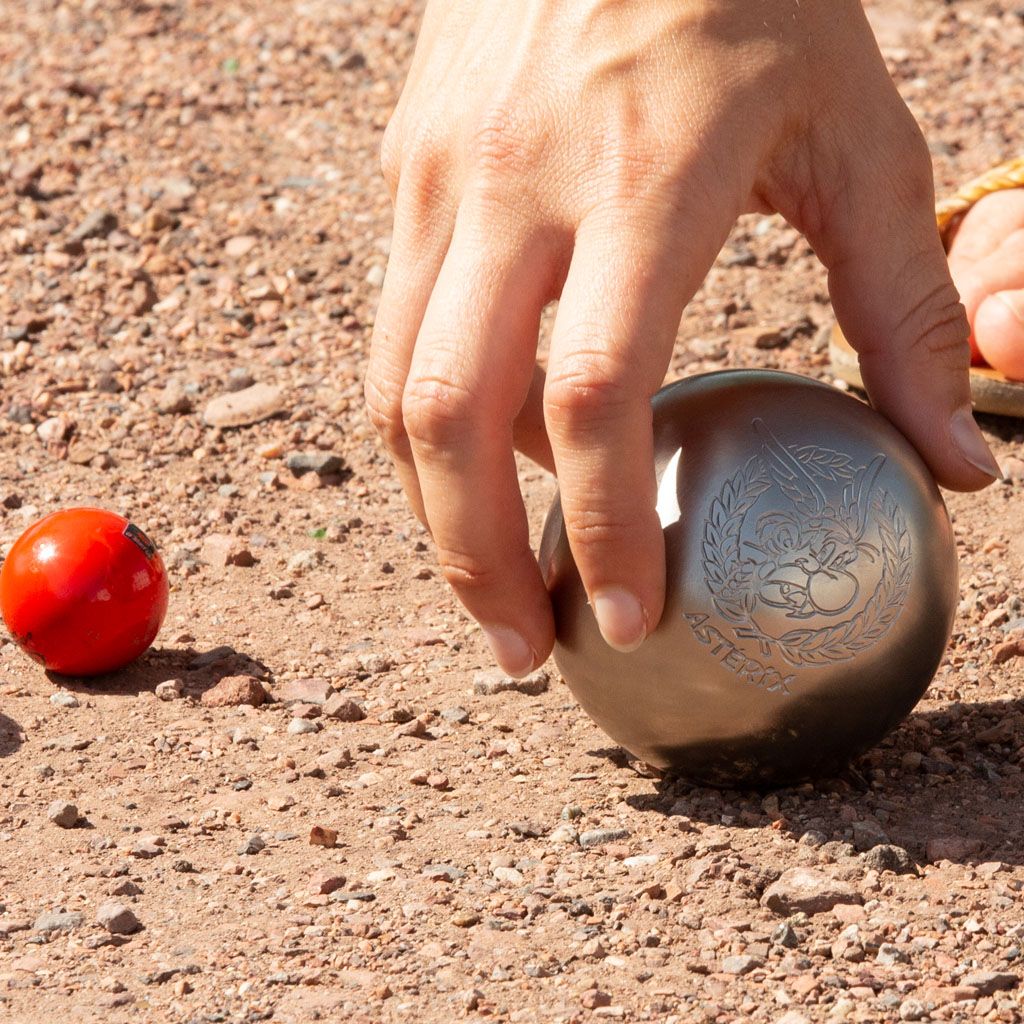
point(504, 143)
point(592, 527)
point(466, 571)
point(437, 412)
point(941, 333)
point(591, 387)
point(391, 154)
point(384, 408)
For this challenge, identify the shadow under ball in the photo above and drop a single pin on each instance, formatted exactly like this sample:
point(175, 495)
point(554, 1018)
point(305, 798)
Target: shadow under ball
point(811, 586)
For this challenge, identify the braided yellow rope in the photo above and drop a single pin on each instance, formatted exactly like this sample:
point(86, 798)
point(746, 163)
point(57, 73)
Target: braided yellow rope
point(1007, 175)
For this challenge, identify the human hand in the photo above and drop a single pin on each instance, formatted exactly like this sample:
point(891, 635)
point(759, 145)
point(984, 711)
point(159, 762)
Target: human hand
point(599, 151)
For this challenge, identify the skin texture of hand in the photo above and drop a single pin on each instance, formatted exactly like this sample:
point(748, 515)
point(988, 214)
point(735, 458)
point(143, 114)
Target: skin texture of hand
point(598, 152)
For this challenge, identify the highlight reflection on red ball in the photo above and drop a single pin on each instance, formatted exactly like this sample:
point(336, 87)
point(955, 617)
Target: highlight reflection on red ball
point(83, 591)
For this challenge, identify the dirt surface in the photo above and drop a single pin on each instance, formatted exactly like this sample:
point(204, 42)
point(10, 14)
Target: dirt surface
point(190, 204)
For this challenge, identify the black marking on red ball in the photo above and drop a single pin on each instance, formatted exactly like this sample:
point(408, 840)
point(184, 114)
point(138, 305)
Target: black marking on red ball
point(140, 540)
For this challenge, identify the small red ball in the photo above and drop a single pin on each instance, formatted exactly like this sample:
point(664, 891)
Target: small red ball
point(83, 591)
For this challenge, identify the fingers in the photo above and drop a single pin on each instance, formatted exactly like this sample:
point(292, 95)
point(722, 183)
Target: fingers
point(895, 301)
point(987, 262)
point(422, 232)
point(617, 320)
point(469, 377)
point(999, 330)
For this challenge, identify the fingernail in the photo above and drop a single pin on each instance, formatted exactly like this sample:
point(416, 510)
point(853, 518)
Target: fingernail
point(1013, 302)
point(511, 651)
point(620, 617)
point(971, 444)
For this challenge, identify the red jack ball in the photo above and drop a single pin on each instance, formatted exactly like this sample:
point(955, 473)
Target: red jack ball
point(83, 591)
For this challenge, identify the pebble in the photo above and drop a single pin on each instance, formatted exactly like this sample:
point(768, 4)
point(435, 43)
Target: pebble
point(491, 682)
point(221, 549)
point(169, 689)
point(343, 709)
point(299, 726)
point(443, 872)
point(245, 407)
point(741, 964)
point(599, 836)
point(890, 954)
point(465, 919)
point(240, 245)
point(117, 918)
point(321, 463)
point(989, 982)
point(886, 857)
point(63, 699)
point(323, 883)
point(321, 835)
point(312, 690)
point(232, 691)
point(58, 921)
point(251, 846)
point(456, 715)
point(913, 1009)
point(305, 561)
point(63, 814)
point(807, 890)
point(97, 224)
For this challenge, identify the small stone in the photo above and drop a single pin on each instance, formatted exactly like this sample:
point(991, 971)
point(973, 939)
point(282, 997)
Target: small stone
point(886, 857)
point(233, 691)
point(989, 982)
point(63, 814)
point(323, 883)
point(280, 802)
point(601, 836)
point(63, 699)
point(242, 408)
point(313, 690)
point(740, 965)
point(173, 401)
point(416, 729)
point(1013, 648)
point(438, 781)
point(58, 921)
point(320, 835)
point(169, 689)
point(240, 245)
point(465, 919)
point(305, 561)
point(220, 549)
point(807, 890)
point(443, 872)
point(375, 275)
point(952, 848)
point(785, 935)
point(300, 726)
point(594, 998)
point(343, 709)
point(251, 846)
point(321, 463)
point(913, 1009)
point(493, 682)
point(117, 918)
point(457, 715)
point(97, 224)
point(890, 954)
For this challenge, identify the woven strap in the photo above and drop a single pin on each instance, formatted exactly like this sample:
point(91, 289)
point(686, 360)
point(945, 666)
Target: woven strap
point(1008, 175)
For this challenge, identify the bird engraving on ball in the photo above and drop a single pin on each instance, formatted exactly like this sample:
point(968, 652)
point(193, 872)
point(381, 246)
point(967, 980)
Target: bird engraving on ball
point(810, 587)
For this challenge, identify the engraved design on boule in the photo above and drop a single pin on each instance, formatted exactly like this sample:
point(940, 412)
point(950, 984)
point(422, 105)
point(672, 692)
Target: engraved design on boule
point(788, 544)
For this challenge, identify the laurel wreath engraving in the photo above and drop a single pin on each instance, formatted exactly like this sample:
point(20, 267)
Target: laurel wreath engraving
point(728, 575)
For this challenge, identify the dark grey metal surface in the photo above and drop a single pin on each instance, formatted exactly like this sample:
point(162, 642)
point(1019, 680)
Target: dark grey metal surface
point(812, 583)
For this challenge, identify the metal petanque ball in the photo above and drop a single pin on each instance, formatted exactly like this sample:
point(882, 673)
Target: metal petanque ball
point(811, 586)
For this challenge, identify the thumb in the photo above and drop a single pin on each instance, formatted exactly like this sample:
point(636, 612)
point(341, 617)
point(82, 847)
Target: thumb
point(896, 303)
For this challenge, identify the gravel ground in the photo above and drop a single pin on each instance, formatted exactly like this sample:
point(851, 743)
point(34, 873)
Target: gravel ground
point(191, 209)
